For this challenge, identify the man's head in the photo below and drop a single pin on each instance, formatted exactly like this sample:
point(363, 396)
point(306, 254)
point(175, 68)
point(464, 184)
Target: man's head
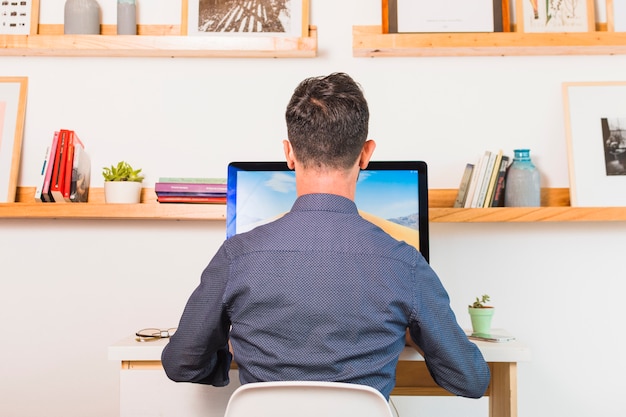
point(327, 122)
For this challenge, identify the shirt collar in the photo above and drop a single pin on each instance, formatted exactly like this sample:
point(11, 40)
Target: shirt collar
point(324, 202)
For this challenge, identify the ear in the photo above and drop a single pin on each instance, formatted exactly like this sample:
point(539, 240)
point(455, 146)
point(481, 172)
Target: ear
point(366, 153)
point(289, 156)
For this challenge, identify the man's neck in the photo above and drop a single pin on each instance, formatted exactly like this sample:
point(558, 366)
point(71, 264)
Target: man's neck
point(326, 181)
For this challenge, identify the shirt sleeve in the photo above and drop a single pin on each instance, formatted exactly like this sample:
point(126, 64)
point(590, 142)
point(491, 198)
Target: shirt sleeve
point(198, 351)
point(455, 363)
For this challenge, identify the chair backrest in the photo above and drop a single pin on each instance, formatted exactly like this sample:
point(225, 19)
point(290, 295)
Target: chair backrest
point(307, 399)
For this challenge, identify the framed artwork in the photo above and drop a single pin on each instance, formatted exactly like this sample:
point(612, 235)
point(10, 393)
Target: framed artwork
point(427, 16)
point(12, 116)
point(595, 122)
point(542, 16)
point(616, 15)
point(19, 17)
point(288, 18)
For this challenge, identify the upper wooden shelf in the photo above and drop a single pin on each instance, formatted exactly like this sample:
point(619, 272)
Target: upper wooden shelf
point(555, 208)
point(369, 41)
point(160, 46)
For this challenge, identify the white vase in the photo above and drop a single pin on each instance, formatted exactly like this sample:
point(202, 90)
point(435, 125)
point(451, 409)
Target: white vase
point(124, 192)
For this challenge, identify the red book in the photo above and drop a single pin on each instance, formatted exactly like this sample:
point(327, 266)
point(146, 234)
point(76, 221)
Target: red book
point(72, 142)
point(58, 171)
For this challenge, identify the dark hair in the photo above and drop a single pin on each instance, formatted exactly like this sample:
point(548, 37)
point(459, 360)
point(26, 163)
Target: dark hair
point(327, 121)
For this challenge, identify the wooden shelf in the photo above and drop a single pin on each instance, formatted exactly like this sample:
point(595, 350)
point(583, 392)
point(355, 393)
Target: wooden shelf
point(555, 208)
point(160, 46)
point(369, 41)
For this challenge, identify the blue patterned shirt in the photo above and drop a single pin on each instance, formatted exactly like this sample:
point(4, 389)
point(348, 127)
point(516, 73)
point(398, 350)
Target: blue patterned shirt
point(320, 294)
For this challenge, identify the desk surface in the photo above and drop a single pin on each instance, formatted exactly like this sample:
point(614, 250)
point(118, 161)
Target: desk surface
point(128, 349)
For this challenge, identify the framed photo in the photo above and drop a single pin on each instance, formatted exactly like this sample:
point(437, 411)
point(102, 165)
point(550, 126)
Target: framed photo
point(19, 17)
point(289, 18)
point(12, 116)
point(595, 122)
point(427, 16)
point(616, 15)
point(542, 16)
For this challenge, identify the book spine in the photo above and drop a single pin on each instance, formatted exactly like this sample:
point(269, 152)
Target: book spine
point(472, 184)
point(464, 185)
point(480, 201)
point(492, 180)
point(189, 187)
point(193, 180)
point(479, 179)
point(46, 197)
point(42, 174)
point(498, 192)
point(56, 187)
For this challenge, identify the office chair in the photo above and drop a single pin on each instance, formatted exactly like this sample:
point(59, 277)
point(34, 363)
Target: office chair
point(307, 399)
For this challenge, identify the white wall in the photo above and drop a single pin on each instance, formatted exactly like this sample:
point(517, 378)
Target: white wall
point(70, 288)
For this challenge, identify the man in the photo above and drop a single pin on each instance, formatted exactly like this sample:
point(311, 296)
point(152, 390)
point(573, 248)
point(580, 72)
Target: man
point(321, 293)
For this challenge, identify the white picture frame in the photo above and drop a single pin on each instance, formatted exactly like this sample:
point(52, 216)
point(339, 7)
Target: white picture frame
point(289, 18)
point(549, 16)
point(13, 92)
point(19, 17)
point(595, 113)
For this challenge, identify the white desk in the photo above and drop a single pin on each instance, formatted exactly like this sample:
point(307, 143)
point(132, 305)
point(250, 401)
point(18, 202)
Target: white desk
point(146, 391)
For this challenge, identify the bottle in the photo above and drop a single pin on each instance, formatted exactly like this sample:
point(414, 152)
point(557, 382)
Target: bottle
point(81, 17)
point(126, 17)
point(522, 187)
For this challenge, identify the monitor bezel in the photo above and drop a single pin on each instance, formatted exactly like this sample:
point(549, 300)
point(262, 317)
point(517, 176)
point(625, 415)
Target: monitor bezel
point(422, 190)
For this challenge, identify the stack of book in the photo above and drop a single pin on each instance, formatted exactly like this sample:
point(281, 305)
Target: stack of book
point(482, 183)
point(191, 190)
point(66, 170)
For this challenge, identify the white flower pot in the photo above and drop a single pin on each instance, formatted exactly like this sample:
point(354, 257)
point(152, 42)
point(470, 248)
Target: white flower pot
point(124, 192)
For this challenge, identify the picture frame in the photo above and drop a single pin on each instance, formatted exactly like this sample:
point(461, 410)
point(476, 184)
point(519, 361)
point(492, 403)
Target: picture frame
point(616, 15)
point(549, 16)
point(13, 92)
point(595, 122)
point(19, 17)
point(445, 16)
point(285, 18)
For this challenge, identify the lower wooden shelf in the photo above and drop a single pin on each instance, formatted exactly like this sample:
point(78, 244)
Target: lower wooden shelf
point(555, 208)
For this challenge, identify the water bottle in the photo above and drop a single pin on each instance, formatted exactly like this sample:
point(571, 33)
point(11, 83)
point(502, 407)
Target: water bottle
point(81, 17)
point(126, 17)
point(522, 187)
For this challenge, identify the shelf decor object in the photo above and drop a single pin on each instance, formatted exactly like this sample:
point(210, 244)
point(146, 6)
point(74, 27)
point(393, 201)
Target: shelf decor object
point(19, 17)
point(13, 92)
point(595, 123)
point(81, 17)
point(616, 15)
point(555, 15)
point(427, 16)
point(126, 17)
point(277, 18)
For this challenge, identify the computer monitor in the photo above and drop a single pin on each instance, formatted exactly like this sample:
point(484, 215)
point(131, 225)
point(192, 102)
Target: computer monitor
point(390, 194)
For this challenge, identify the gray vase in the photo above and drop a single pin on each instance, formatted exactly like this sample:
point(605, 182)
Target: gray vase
point(126, 17)
point(81, 17)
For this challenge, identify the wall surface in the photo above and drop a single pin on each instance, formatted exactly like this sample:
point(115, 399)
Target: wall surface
point(71, 288)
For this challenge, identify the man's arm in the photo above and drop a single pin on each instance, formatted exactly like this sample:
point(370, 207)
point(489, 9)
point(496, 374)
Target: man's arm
point(198, 351)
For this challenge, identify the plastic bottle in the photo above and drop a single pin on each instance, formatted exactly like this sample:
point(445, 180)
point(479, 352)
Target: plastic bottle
point(522, 187)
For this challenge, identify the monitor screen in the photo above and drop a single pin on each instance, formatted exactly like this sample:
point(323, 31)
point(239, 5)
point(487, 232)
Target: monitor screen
point(390, 194)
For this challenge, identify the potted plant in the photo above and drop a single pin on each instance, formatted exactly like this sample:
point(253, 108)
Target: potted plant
point(122, 183)
point(481, 314)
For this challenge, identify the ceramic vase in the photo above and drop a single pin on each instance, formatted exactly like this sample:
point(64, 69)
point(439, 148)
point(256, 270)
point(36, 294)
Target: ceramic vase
point(126, 17)
point(522, 188)
point(81, 17)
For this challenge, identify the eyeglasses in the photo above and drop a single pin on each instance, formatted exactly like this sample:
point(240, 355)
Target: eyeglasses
point(147, 335)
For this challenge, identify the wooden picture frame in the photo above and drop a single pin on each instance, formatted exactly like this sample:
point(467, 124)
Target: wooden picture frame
point(12, 116)
point(616, 15)
point(445, 16)
point(19, 17)
point(595, 122)
point(234, 18)
point(540, 16)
